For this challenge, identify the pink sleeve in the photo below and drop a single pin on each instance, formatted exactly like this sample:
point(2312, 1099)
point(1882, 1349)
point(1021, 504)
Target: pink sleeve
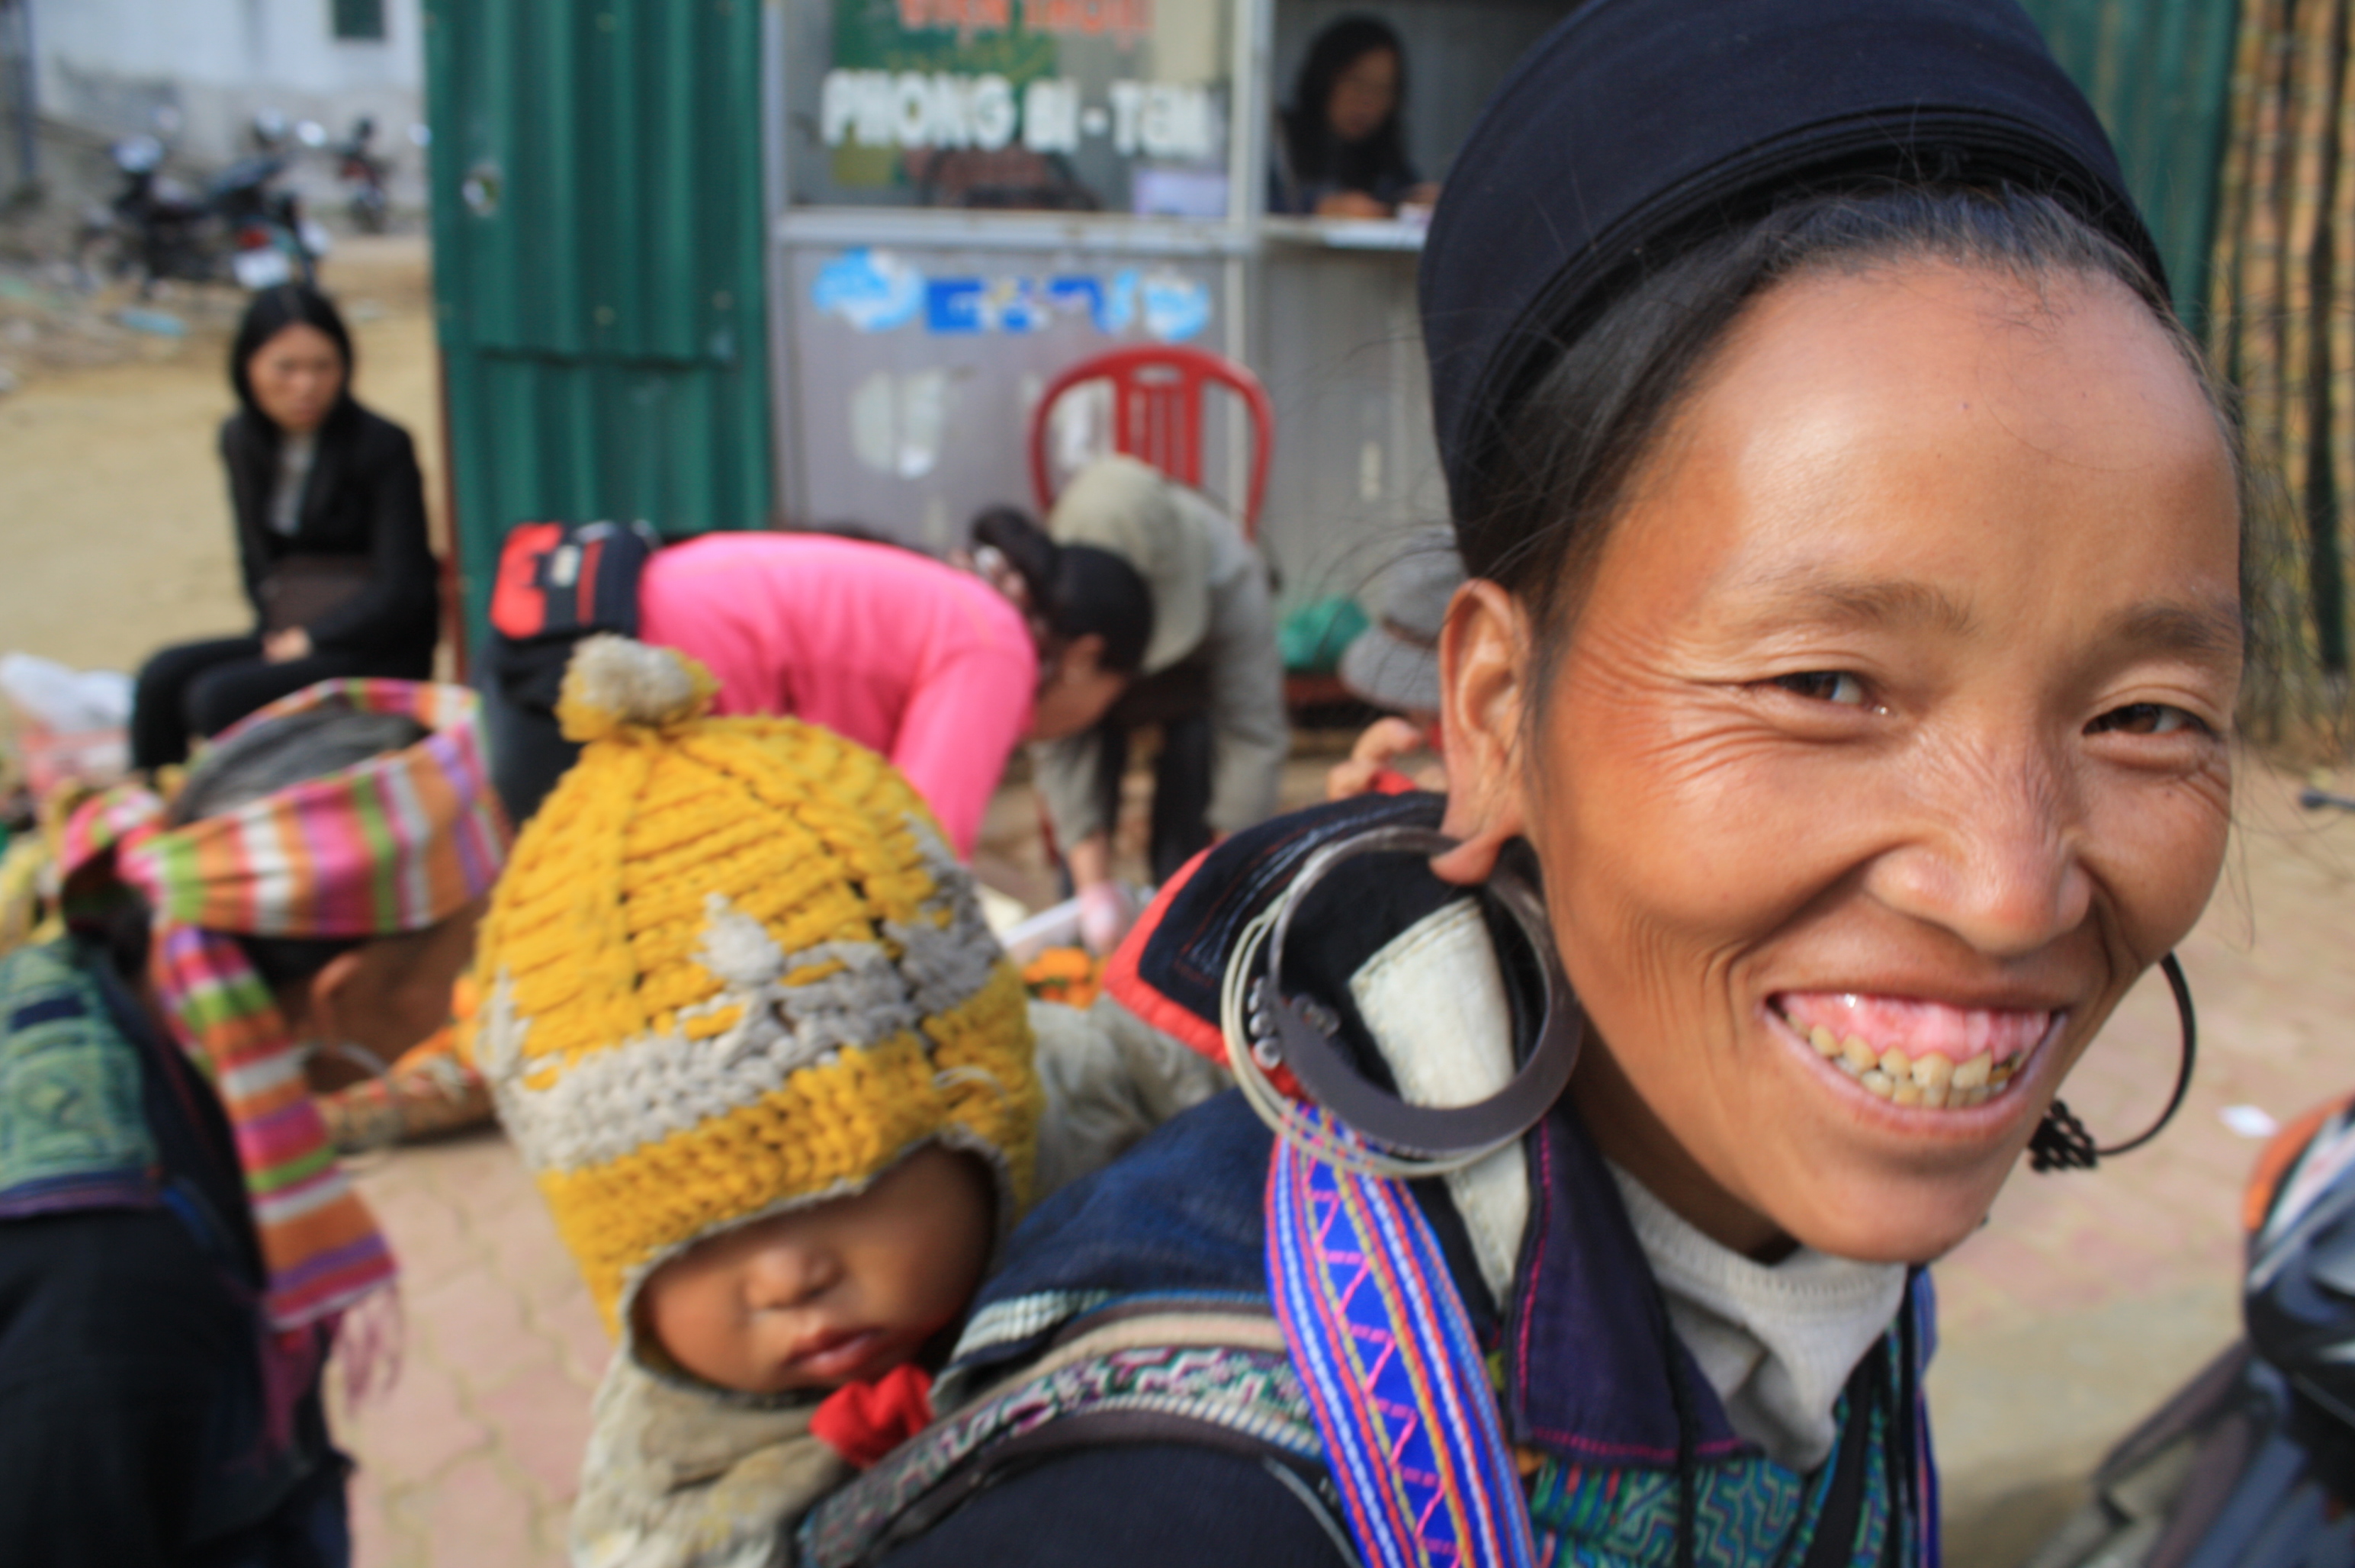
point(959, 727)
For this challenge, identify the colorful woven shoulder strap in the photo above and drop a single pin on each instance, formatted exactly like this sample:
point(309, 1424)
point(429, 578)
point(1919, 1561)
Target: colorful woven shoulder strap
point(1400, 1395)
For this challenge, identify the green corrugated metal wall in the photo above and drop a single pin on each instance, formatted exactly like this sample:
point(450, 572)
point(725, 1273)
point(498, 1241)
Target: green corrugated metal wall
point(2160, 73)
point(602, 320)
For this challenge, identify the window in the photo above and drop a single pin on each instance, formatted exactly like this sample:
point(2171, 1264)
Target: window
point(358, 20)
point(1073, 105)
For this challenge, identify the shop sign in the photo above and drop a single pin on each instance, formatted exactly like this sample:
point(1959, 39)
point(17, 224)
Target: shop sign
point(1089, 106)
point(1125, 21)
point(946, 109)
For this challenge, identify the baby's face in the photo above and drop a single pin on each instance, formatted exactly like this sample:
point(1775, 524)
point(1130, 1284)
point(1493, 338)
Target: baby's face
point(839, 1293)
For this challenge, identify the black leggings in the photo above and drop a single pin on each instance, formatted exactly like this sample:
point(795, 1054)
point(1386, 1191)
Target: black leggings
point(195, 689)
point(1180, 821)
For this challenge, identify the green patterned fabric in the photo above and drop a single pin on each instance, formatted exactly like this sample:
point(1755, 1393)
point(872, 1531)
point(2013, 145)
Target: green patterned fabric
point(1603, 1517)
point(72, 1130)
point(1750, 1512)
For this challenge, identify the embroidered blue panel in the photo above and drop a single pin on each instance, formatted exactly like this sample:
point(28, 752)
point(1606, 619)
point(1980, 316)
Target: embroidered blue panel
point(1397, 1385)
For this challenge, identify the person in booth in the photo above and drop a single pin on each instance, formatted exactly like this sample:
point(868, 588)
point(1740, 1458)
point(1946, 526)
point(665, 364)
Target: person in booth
point(1210, 677)
point(1341, 144)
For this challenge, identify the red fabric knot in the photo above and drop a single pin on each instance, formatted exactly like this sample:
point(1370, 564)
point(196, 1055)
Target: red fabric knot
point(863, 1422)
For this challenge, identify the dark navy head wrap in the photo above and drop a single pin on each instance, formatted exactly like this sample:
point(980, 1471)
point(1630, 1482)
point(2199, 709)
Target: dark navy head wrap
point(1637, 126)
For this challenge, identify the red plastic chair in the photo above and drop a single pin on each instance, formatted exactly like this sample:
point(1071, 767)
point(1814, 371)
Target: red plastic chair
point(1157, 414)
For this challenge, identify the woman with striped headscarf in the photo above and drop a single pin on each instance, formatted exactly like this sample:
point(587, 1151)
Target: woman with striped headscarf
point(179, 1251)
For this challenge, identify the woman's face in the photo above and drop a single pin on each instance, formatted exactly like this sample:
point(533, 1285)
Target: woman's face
point(1897, 715)
point(297, 376)
point(1075, 690)
point(386, 995)
point(1363, 96)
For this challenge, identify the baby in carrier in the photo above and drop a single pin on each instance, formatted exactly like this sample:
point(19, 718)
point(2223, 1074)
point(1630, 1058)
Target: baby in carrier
point(779, 1087)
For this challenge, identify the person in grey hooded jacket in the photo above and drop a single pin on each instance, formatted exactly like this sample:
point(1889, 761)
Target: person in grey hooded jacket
point(1213, 679)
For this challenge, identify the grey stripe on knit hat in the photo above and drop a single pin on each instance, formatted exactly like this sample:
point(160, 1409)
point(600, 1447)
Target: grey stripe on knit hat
point(615, 1101)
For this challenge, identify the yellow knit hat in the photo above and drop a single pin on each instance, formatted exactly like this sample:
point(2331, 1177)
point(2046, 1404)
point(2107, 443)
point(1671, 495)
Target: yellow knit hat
point(733, 969)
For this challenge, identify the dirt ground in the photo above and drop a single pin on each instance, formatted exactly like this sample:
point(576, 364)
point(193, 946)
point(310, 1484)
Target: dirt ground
point(2085, 1301)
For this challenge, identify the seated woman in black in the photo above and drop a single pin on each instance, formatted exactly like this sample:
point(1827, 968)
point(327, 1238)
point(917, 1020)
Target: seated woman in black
point(330, 537)
point(1342, 145)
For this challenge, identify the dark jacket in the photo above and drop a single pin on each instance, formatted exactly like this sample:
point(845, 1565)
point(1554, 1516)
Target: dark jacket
point(135, 1362)
point(365, 499)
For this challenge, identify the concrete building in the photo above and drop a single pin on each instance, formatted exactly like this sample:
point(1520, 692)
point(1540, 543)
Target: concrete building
point(104, 68)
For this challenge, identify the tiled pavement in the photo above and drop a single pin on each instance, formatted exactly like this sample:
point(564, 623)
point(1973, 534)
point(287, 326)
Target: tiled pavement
point(2085, 1300)
point(472, 1455)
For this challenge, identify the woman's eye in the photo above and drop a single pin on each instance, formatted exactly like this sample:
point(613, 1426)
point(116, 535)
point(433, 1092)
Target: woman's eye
point(1824, 685)
point(2145, 719)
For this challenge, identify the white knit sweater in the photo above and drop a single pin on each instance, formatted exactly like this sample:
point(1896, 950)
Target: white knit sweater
point(1777, 1342)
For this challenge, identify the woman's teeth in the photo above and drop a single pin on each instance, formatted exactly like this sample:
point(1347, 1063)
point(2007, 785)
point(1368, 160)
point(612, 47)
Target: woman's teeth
point(1960, 1056)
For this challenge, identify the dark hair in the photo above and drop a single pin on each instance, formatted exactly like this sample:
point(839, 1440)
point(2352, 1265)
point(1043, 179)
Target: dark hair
point(274, 756)
point(1566, 453)
point(271, 313)
point(1316, 156)
point(1076, 589)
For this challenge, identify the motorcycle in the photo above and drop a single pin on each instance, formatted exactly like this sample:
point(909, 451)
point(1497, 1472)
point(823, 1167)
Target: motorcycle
point(154, 224)
point(357, 164)
point(242, 227)
point(270, 241)
point(2251, 1464)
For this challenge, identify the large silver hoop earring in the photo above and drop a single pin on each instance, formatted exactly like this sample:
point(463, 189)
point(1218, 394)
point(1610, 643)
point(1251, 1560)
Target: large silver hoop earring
point(1266, 1029)
point(2061, 1141)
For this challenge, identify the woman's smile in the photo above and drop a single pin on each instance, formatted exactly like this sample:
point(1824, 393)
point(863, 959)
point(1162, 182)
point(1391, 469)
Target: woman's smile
point(1913, 1054)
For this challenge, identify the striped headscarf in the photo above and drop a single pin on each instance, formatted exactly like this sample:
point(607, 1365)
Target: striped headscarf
point(395, 844)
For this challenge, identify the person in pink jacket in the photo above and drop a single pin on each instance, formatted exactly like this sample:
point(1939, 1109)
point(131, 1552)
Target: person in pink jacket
point(927, 664)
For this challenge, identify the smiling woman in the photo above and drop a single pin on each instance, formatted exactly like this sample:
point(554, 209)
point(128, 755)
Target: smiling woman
point(1926, 675)
point(1848, 654)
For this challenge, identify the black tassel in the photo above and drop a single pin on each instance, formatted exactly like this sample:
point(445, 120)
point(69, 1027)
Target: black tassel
point(2062, 1143)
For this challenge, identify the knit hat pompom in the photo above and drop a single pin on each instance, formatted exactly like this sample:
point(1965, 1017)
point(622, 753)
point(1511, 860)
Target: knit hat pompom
point(613, 684)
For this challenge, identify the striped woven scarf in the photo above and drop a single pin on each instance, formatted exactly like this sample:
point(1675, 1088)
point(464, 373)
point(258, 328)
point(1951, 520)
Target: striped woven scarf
point(1378, 1338)
point(396, 844)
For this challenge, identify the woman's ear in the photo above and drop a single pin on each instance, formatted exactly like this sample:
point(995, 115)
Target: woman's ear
point(330, 999)
point(1484, 680)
